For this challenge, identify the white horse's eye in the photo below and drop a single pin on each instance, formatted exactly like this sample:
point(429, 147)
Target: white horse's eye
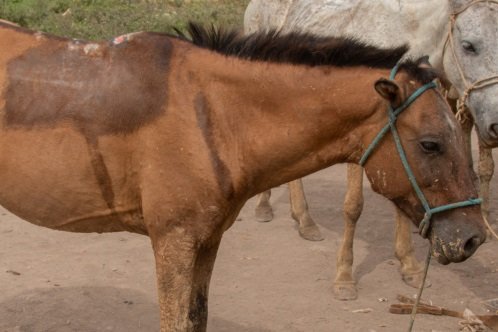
point(467, 46)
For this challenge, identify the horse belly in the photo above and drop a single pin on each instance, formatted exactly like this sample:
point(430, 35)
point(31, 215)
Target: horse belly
point(48, 178)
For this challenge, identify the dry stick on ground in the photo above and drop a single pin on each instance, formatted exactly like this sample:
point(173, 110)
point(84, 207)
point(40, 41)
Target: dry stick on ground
point(406, 306)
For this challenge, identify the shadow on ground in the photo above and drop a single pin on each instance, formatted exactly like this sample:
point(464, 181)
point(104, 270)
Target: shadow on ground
point(79, 309)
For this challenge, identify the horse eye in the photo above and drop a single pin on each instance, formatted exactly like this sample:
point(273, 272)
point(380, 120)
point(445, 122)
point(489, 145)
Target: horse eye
point(430, 147)
point(468, 47)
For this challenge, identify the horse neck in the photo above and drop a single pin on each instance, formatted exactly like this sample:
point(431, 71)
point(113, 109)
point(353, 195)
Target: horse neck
point(427, 25)
point(283, 122)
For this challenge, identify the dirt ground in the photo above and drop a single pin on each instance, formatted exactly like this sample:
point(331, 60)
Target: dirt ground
point(266, 277)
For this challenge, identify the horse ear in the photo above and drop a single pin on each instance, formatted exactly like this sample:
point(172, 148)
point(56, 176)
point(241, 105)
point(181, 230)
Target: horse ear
point(388, 90)
point(423, 62)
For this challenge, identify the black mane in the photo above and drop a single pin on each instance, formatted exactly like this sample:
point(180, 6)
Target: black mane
point(304, 48)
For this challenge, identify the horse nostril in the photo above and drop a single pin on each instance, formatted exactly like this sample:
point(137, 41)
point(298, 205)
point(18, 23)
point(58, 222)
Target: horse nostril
point(493, 130)
point(471, 245)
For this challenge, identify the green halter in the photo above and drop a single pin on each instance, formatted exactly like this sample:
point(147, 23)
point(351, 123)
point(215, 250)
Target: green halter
point(391, 125)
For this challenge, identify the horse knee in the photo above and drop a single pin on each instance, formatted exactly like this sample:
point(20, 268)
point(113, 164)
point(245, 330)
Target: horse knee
point(353, 206)
point(486, 173)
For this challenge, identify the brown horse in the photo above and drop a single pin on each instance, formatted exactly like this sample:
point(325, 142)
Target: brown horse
point(157, 135)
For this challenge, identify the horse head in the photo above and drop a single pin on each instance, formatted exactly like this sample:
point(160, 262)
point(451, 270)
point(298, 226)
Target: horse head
point(471, 64)
point(437, 183)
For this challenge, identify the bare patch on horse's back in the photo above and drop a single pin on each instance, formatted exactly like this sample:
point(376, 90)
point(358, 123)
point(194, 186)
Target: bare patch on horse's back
point(103, 88)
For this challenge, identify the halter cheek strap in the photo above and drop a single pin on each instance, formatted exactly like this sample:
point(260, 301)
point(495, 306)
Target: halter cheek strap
point(424, 225)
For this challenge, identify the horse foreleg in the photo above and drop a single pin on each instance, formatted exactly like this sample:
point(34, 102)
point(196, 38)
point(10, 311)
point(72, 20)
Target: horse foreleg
point(485, 169)
point(411, 269)
point(467, 123)
point(344, 284)
point(300, 212)
point(263, 210)
point(183, 268)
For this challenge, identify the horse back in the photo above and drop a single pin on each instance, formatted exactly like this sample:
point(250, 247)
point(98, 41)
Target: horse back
point(101, 88)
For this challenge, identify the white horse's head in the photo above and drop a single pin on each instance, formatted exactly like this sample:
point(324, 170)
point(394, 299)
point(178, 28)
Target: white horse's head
point(471, 62)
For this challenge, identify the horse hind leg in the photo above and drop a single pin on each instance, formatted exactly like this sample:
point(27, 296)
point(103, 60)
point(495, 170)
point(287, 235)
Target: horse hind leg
point(300, 212)
point(344, 284)
point(263, 211)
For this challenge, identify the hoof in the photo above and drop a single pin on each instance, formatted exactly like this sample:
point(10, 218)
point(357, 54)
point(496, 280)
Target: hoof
point(311, 233)
point(415, 279)
point(264, 213)
point(345, 291)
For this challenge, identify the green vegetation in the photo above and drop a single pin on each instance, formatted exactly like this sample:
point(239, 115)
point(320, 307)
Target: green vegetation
point(99, 19)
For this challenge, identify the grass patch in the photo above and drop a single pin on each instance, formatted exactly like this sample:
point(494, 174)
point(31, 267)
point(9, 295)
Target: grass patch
point(103, 19)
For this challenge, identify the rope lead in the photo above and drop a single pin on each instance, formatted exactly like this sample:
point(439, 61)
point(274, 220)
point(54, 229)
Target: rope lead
point(420, 289)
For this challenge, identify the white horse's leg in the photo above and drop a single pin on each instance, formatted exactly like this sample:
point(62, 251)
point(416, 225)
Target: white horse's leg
point(263, 210)
point(344, 284)
point(183, 269)
point(411, 269)
point(467, 126)
point(486, 170)
point(300, 212)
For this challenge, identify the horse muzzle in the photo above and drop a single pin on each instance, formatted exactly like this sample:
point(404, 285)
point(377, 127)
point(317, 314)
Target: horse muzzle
point(487, 129)
point(489, 138)
point(454, 241)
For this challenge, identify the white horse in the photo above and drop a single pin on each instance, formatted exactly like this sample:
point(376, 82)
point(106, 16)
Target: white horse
point(461, 39)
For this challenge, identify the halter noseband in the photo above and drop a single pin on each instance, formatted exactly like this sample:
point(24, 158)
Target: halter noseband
point(478, 84)
point(391, 125)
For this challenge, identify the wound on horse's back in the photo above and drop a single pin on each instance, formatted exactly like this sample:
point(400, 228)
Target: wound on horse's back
point(101, 88)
